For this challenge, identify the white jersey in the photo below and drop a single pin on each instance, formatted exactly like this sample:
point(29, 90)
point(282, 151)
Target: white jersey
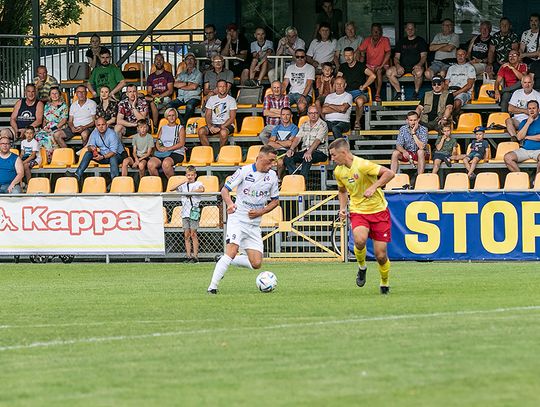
point(254, 190)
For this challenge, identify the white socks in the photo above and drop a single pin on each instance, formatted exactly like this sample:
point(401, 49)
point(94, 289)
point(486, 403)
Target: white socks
point(242, 260)
point(219, 271)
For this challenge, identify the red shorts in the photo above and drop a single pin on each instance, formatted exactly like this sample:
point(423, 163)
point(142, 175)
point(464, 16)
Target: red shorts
point(414, 157)
point(379, 224)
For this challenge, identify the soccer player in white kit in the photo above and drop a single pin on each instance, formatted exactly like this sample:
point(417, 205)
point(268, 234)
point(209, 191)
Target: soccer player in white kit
point(257, 194)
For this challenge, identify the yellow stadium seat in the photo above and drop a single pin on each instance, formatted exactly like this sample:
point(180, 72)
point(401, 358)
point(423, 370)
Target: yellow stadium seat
point(398, 181)
point(503, 148)
point(456, 181)
point(497, 118)
point(174, 181)
point(517, 181)
point(135, 66)
point(122, 185)
point(487, 181)
point(94, 185)
point(427, 182)
point(209, 217)
point(192, 126)
point(251, 156)
point(162, 122)
point(38, 186)
point(536, 185)
point(43, 154)
point(15, 151)
point(483, 97)
point(150, 184)
point(210, 183)
point(201, 156)
point(229, 155)
point(272, 218)
point(165, 220)
point(467, 122)
point(176, 218)
point(166, 66)
point(302, 120)
point(293, 185)
point(251, 126)
point(66, 185)
point(61, 158)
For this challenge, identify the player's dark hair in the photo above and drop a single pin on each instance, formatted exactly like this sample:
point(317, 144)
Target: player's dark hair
point(412, 113)
point(534, 101)
point(286, 109)
point(142, 121)
point(339, 144)
point(266, 149)
point(31, 128)
point(348, 49)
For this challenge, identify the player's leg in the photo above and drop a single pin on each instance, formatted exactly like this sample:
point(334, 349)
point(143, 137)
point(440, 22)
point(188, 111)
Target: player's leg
point(231, 250)
point(360, 235)
point(381, 234)
point(380, 251)
point(253, 245)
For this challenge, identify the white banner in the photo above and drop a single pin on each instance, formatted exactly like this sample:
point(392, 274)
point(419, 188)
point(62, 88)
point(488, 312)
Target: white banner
point(82, 225)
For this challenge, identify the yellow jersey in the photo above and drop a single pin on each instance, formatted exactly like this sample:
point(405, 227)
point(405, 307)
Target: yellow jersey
point(362, 174)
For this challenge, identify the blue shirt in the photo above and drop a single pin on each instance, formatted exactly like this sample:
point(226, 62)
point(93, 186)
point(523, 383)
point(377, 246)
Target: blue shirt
point(282, 133)
point(533, 130)
point(406, 140)
point(7, 169)
point(106, 143)
point(194, 77)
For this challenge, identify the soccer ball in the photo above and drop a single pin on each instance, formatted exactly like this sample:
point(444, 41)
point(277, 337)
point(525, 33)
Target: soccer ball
point(266, 281)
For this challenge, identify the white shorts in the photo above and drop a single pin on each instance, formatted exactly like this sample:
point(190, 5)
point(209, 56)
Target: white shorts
point(523, 154)
point(245, 235)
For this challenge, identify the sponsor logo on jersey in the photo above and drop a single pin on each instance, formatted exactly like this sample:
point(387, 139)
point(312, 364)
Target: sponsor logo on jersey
point(249, 178)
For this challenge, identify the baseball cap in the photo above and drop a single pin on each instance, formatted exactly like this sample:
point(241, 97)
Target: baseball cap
point(479, 128)
point(190, 54)
point(437, 79)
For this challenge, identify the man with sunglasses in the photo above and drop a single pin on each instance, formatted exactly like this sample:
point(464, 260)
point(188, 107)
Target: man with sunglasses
point(436, 107)
point(300, 76)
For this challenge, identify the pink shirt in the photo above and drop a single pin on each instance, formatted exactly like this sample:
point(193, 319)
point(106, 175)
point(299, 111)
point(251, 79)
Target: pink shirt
point(375, 52)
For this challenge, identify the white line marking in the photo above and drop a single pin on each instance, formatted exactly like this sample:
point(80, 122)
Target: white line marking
point(62, 342)
point(100, 323)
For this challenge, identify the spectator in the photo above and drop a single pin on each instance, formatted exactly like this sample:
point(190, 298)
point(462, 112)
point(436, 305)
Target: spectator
point(517, 106)
point(107, 106)
point(260, 49)
point(313, 134)
point(217, 73)
point(502, 42)
point(358, 78)
point(93, 53)
point(435, 109)
point(478, 51)
point(444, 45)
point(44, 82)
point(529, 135)
point(82, 113)
point(478, 150)
point(300, 76)
point(190, 212)
point(159, 87)
point(529, 40)
point(212, 44)
point(11, 166)
point(410, 57)
point(460, 79)
point(188, 84)
point(130, 110)
point(236, 46)
point(30, 155)
point(411, 144)
point(143, 147)
point(55, 117)
point(445, 148)
point(220, 116)
point(273, 103)
point(322, 48)
point(287, 46)
point(170, 147)
point(26, 112)
point(337, 109)
point(330, 16)
point(104, 147)
point(324, 84)
point(282, 136)
point(106, 74)
point(375, 52)
point(350, 39)
point(509, 79)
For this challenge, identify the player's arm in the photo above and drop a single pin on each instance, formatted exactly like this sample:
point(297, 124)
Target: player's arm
point(255, 213)
point(384, 177)
point(343, 201)
point(226, 195)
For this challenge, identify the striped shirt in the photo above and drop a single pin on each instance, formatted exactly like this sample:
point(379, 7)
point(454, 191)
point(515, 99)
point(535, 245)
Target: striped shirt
point(271, 102)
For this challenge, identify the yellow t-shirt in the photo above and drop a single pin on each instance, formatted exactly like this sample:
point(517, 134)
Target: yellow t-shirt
point(362, 174)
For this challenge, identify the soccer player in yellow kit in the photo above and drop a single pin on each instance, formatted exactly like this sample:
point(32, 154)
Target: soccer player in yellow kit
point(363, 180)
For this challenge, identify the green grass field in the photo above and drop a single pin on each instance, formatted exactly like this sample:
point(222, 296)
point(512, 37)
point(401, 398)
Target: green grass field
point(449, 334)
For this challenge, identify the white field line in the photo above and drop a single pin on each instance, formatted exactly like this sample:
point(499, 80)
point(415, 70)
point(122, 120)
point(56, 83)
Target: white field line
point(63, 342)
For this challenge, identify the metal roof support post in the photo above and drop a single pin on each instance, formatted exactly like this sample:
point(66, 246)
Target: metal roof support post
point(36, 32)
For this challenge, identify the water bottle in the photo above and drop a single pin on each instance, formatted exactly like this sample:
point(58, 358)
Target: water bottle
point(402, 93)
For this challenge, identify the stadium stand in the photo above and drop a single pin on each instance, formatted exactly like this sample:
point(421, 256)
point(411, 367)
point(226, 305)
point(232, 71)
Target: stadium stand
point(456, 181)
point(293, 185)
point(120, 185)
point(150, 184)
point(210, 183)
point(38, 185)
point(94, 185)
point(427, 182)
point(66, 185)
point(487, 181)
point(516, 181)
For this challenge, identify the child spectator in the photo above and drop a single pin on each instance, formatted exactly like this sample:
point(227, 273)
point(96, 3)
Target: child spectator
point(191, 213)
point(143, 146)
point(445, 148)
point(260, 49)
point(479, 150)
point(324, 84)
point(30, 155)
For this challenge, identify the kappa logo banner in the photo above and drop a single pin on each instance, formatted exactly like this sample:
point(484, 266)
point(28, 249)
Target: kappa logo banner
point(77, 225)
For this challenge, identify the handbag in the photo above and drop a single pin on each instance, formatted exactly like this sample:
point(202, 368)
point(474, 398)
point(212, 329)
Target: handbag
point(78, 71)
point(486, 79)
point(195, 211)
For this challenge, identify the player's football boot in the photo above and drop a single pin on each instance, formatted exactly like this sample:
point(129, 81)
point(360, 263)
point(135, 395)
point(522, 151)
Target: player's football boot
point(385, 289)
point(361, 277)
point(212, 291)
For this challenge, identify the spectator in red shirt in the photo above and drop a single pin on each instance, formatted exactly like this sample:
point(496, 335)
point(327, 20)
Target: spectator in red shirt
point(509, 79)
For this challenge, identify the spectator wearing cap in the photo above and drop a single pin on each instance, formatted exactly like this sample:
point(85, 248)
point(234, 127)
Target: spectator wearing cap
point(478, 150)
point(444, 45)
point(188, 85)
point(411, 144)
point(435, 109)
point(236, 47)
point(460, 79)
point(529, 136)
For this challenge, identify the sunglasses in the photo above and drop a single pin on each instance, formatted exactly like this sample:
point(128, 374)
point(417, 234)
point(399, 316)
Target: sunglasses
point(436, 83)
point(300, 56)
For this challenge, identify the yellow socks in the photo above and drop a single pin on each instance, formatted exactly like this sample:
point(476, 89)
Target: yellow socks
point(360, 256)
point(384, 269)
